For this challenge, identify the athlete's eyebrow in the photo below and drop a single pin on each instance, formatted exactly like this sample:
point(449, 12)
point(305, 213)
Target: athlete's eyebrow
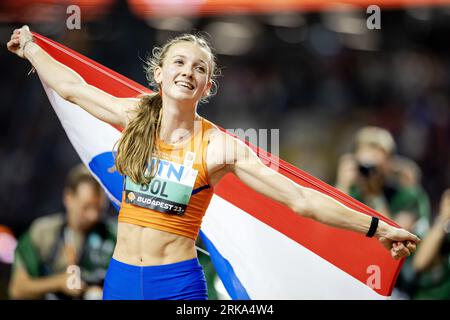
point(183, 56)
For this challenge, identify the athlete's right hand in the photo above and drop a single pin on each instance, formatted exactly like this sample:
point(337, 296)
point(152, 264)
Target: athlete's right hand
point(18, 38)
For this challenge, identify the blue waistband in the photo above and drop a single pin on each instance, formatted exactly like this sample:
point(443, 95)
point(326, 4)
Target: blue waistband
point(185, 264)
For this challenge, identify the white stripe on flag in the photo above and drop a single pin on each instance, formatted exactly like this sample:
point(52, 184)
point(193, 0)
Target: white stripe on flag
point(94, 137)
point(89, 135)
point(271, 265)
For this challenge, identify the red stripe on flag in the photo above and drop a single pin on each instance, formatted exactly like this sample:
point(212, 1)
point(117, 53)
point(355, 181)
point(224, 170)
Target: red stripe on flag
point(92, 72)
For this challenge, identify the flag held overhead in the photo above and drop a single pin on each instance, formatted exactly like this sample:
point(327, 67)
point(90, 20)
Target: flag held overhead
point(260, 248)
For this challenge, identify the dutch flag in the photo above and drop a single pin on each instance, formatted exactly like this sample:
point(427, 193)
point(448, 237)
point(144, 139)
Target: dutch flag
point(260, 249)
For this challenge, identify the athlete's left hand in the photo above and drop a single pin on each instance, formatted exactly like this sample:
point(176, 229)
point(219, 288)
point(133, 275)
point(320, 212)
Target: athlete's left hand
point(400, 242)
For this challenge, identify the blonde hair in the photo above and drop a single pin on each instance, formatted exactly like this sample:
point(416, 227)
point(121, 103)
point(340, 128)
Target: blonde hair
point(137, 143)
point(377, 137)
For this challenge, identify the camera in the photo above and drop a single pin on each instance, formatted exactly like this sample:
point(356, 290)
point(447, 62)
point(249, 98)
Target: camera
point(367, 170)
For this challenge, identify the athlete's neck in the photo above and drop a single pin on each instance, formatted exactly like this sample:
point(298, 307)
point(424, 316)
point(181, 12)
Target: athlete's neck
point(176, 120)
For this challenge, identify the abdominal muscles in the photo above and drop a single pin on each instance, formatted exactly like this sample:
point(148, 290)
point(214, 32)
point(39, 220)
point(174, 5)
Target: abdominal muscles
point(142, 246)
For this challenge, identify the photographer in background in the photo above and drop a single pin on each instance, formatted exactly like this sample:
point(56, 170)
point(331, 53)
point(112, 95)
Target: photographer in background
point(432, 261)
point(389, 184)
point(80, 237)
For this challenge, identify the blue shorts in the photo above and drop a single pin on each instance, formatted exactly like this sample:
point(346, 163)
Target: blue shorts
point(182, 280)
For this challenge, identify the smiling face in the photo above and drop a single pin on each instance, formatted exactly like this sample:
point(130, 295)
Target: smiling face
point(185, 74)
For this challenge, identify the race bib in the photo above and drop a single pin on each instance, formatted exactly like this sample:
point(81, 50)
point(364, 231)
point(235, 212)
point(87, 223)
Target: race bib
point(168, 192)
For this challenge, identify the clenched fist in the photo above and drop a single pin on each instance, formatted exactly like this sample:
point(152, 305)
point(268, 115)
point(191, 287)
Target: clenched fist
point(19, 39)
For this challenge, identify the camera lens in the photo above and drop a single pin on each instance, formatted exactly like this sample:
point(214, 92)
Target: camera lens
point(367, 170)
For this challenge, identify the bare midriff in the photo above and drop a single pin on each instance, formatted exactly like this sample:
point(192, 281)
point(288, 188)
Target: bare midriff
point(143, 246)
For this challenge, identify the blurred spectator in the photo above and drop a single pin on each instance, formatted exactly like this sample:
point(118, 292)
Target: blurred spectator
point(79, 237)
point(387, 183)
point(8, 244)
point(390, 184)
point(432, 259)
point(412, 210)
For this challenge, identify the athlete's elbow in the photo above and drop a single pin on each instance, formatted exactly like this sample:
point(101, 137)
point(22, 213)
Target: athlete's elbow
point(303, 207)
point(67, 89)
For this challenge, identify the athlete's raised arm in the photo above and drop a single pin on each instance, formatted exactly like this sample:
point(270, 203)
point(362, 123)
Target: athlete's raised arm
point(69, 84)
point(227, 154)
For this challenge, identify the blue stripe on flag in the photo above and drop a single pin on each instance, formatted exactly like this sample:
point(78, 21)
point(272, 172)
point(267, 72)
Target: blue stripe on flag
point(102, 166)
point(225, 271)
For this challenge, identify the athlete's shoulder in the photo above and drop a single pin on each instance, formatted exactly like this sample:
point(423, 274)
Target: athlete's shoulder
point(224, 147)
point(208, 125)
point(209, 129)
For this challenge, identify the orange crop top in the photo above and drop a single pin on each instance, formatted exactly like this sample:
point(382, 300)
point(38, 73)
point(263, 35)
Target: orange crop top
point(177, 197)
